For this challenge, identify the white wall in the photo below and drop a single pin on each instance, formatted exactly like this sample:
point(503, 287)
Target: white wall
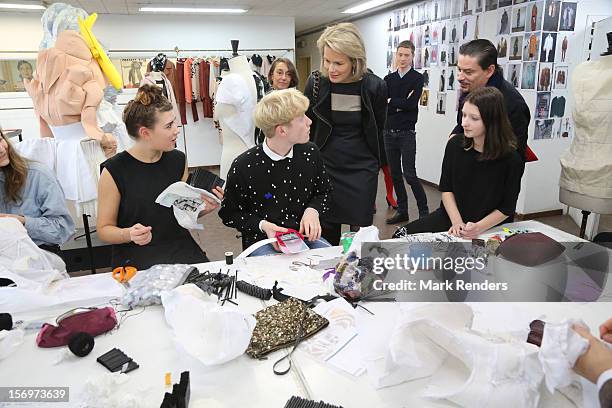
point(540, 189)
point(22, 32)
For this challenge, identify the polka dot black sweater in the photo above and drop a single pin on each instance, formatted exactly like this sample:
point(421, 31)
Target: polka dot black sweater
point(259, 188)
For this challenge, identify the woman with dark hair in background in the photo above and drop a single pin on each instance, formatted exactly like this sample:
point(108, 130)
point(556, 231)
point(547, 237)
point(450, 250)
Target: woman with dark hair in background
point(283, 75)
point(30, 193)
point(144, 233)
point(481, 172)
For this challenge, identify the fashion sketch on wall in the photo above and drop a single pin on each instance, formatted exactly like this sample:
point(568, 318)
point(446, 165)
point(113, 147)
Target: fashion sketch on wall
point(549, 45)
point(514, 74)
point(542, 110)
point(466, 10)
point(543, 129)
point(450, 83)
point(503, 21)
point(545, 76)
point(563, 46)
point(561, 77)
point(531, 48)
point(557, 105)
point(132, 71)
point(441, 103)
point(568, 17)
point(552, 12)
point(516, 48)
point(528, 75)
point(424, 101)
point(534, 19)
point(518, 19)
point(502, 47)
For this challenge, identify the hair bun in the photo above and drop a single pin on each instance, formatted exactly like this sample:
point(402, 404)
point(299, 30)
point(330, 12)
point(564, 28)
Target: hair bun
point(148, 94)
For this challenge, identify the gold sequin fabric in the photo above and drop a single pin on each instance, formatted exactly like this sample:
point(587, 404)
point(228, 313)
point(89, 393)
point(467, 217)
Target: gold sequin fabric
point(279, 326)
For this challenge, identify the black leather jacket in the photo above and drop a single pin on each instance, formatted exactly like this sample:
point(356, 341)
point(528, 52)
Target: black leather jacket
point(373, 108)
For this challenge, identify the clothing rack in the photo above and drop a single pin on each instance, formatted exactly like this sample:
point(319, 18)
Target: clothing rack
point(177, 50)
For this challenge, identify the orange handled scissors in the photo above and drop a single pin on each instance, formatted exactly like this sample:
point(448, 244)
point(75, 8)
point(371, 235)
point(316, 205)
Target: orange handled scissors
point(123, 274)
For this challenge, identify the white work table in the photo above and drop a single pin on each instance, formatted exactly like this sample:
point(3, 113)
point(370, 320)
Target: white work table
point(246, 382)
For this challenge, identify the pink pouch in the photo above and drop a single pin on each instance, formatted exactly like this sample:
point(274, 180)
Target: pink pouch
point(94, 322)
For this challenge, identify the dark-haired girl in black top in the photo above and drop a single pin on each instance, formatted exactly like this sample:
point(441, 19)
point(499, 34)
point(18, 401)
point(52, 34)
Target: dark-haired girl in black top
point(481, 172)
point(144, 233)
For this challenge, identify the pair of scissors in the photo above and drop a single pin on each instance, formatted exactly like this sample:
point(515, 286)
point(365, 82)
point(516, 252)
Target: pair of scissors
point(123, 274)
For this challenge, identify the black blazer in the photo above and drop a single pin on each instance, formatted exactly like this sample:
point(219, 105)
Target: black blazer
point(373, 108)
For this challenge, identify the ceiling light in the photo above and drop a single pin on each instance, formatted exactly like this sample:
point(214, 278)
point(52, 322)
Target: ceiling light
point(15, 6)
point(190, 10)
point(366, 6)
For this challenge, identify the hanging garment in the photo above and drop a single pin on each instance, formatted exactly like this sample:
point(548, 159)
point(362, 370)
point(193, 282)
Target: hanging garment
point(214, 73)
point(534, 17)
point(257, 63)
point(166, 66)
point(204, 88)
point(148, 79)
point(267, 64)
point(195, 80)
point(189, 96)
point(73, 169)
point(180, 90)
point(234, 91)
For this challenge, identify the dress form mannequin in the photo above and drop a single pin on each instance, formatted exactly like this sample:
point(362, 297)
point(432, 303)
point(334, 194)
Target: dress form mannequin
point(586, 168)
point(66, 90)
point(235, 102)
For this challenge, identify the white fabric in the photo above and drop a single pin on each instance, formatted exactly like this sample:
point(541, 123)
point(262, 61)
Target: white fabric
point(10, 340)
point(561, 346)
point(100, 392)
point(110, 121)
point(274, 156)
point(186, 203)
point(75, 163)
point(234, 91)
point(502, 372)
point(19, 254)
point(409, 354)
point(205, 330)
point(41, 150)
point(587, 165)
point(31, 268)
point(365, 234)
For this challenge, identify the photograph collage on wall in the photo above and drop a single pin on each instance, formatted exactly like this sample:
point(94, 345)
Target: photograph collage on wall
point(437, 28)
point(536, 58)
point(533, 40)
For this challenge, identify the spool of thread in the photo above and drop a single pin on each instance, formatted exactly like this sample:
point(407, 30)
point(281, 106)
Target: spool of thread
point(229, 258)
point(6, 321)
point(81, 344)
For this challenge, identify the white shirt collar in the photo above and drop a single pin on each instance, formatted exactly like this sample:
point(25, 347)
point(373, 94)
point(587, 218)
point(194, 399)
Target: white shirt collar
point(275, 156)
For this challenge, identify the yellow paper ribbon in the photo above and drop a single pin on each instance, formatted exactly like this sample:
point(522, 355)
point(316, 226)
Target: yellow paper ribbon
point(98, 52)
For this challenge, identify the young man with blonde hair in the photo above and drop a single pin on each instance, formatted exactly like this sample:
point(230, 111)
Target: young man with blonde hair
point(281, 183)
